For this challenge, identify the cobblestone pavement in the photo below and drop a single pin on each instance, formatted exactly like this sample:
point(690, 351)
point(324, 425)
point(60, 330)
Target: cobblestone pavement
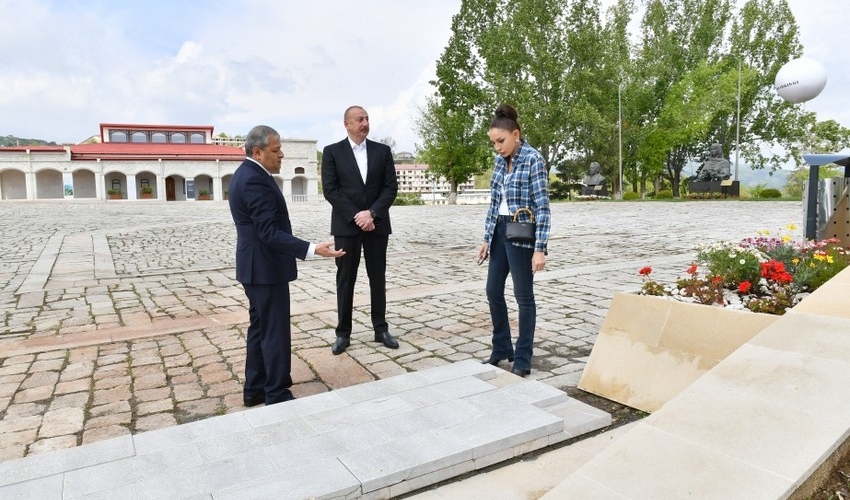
point(123, 317)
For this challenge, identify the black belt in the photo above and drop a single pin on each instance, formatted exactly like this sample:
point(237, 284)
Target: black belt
point(504, 218)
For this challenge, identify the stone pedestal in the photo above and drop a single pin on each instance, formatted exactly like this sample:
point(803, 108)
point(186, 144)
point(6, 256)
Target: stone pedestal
point(726, 188)
point(596, 190)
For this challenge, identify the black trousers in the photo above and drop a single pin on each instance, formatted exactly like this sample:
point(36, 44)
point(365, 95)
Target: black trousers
point(374, 248)
point(269, 346)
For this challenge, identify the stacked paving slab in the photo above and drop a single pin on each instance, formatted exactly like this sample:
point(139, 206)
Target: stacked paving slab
point(374, 440)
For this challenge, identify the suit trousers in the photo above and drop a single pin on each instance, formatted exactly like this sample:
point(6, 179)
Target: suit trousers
point(269, 344)
point(374, 248)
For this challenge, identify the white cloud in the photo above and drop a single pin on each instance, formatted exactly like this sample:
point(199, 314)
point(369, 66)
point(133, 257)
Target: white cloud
point(68, 65)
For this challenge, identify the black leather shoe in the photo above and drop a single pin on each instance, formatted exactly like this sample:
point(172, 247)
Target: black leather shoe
point(386, 339)
point(250, 401)
point(520, 372)
point(340, 345)
point(286, 396)
point(493, 360)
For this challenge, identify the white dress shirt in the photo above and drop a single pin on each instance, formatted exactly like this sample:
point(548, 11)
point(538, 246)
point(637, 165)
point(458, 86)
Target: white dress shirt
point(360, 156)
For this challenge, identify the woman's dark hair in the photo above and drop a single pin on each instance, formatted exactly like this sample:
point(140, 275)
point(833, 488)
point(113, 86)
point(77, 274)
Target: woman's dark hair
point(505, 118)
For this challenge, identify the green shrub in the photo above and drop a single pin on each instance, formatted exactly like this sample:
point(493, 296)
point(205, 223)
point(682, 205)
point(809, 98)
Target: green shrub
point(771, 193)
point(665, 194)
point(408, 199)
point(631, 195)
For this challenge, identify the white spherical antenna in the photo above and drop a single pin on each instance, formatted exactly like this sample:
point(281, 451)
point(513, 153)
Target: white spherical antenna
point(800, 80)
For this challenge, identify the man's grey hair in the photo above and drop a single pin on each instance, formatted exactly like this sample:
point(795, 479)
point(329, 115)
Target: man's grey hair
point(259, 137)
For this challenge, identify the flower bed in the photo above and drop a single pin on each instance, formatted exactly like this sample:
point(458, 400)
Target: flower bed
point(766, 274)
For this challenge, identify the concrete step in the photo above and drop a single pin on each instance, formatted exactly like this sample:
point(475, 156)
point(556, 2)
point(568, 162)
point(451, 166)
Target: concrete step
point(376, 440)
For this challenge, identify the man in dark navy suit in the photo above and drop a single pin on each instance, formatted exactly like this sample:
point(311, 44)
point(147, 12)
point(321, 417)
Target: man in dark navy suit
point(265, 264)
point(359, 181)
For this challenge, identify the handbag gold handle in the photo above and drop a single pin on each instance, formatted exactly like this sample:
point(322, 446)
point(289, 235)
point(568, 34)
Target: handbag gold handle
point(524, 209)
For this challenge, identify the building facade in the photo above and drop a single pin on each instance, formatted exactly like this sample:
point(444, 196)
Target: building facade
point(415, 179)
point(132, 161)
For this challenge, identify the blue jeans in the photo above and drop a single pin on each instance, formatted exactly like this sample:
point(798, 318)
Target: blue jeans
point(505, 258)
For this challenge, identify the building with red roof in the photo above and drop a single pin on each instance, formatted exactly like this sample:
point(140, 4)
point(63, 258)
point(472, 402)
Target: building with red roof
point(133, 161)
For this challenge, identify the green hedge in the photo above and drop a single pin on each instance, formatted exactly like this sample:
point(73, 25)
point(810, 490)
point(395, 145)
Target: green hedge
point(631, 195)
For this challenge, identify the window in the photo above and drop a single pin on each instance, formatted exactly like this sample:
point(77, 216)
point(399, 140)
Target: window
point(299, 170)
point(140, 137)
point(117, 136)
point(144, 183)
point(159, 137)
point(116, 184)
point(196, 138)
point(178, 137)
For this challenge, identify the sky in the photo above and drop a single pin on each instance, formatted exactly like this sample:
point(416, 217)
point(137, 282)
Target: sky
point(68, 65)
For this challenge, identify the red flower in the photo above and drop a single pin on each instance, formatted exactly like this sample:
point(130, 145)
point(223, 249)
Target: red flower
point(692, 270)
point(717, 280)
point(645, 271)
point(744, 287)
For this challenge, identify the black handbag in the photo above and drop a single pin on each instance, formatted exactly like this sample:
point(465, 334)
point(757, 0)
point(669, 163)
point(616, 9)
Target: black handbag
point(521, 231)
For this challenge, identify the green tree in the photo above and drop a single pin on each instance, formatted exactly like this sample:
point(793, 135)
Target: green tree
point(798, 178)
point(674, 77)
point(451, 125)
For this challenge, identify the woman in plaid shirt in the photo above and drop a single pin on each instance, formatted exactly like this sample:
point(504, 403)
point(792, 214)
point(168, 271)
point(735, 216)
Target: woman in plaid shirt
point(520, 179)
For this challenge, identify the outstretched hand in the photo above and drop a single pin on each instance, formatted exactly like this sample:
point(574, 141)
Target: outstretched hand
point(327, 249)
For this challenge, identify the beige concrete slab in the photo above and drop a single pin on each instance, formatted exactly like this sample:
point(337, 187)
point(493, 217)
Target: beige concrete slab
point(650, 348)
point(650, 464)
point(825, 337)
point(831, 299)
point(747, 427)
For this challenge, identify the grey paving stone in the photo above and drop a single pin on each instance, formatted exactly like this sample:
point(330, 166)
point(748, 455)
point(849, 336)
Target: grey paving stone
point(252, 438)
point(302, 407)
point(109, 475)
point(242, 469)
point(366, 411)
point(162, 439)
point(505, 427)
point(405, 458)
point(44, 488)
point(56, 462)
point(383, 388)
point(324, 480)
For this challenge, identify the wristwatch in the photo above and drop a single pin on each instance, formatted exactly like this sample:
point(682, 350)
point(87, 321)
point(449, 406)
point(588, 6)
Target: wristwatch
point(373, 214)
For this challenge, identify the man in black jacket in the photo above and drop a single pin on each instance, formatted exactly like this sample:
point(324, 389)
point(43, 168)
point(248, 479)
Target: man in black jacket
point(359, 181)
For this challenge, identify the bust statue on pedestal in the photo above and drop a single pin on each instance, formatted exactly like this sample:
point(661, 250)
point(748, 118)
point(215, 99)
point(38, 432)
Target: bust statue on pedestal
point(715, 167)
point(594, 181)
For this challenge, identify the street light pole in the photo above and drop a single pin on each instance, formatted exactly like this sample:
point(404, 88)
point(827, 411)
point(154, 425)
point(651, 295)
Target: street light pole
point(738, 122)
point(620, 135)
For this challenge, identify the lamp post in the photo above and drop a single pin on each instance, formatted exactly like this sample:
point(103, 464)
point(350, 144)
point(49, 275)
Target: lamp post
point(738, 122)
point(620, 136)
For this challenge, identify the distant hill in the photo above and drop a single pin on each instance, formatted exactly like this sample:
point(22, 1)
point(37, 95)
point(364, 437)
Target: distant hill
point(11, 140)
point(750, 177)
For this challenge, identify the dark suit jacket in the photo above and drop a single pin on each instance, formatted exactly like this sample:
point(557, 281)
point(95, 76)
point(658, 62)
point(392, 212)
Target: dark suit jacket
point(265, 247)
point(344, 188)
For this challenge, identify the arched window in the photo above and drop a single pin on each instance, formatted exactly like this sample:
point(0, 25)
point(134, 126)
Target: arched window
point(299, 170)
point(178, 137)
point(117, 136)
point(158, 137)
point(140, 137)
point(196, 138)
